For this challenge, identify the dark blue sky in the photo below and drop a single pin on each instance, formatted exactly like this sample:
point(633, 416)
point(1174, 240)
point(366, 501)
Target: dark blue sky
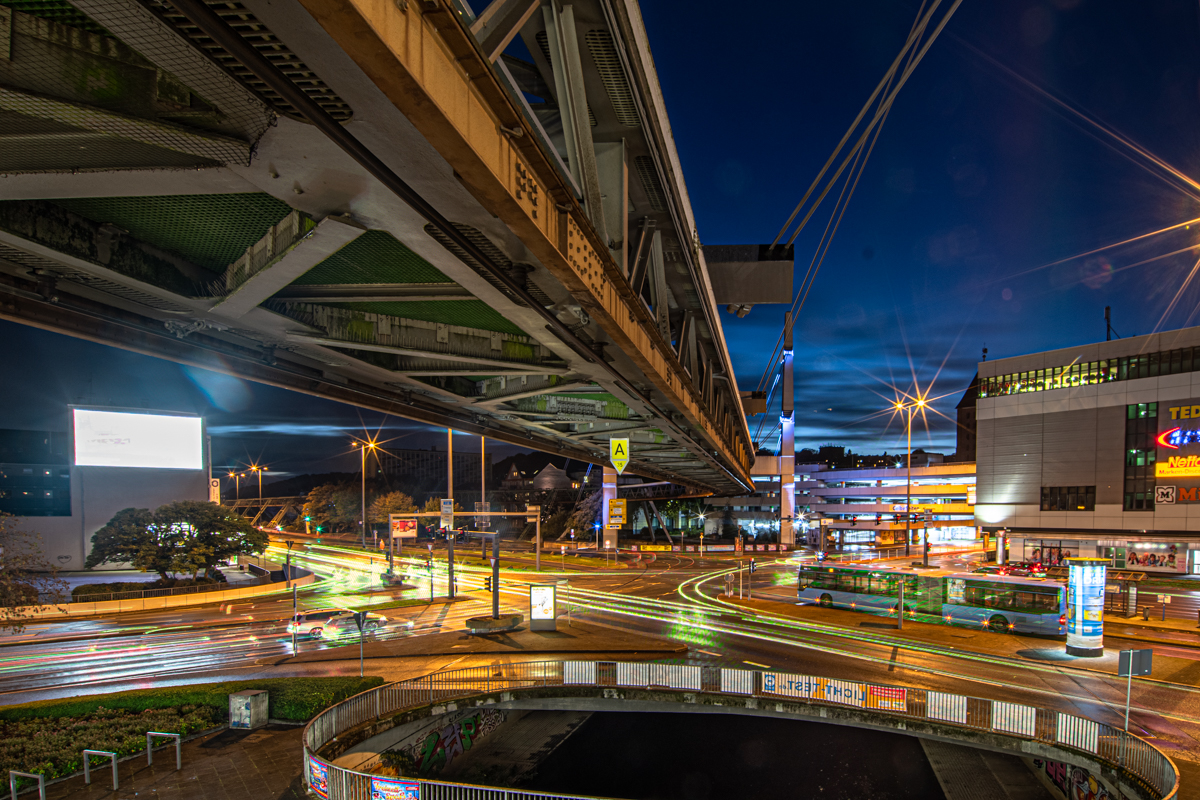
point(976, 182)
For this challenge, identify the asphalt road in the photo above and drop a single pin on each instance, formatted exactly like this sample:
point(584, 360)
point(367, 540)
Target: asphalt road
point(668, 595)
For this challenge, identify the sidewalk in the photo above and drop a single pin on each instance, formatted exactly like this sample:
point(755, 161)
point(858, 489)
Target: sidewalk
point(227, 765)
point(578, 639)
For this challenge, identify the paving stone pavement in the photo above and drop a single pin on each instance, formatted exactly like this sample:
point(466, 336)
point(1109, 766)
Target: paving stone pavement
point(227, 765)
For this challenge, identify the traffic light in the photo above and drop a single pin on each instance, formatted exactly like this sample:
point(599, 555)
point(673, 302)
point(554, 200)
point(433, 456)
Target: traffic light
point(753, 566)
point(487, 584)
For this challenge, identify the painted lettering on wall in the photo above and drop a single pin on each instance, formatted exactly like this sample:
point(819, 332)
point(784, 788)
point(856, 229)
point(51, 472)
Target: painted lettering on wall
point(1076, 783)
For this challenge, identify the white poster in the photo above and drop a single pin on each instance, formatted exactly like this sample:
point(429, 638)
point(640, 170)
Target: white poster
point(120, 439)
point(542, 602)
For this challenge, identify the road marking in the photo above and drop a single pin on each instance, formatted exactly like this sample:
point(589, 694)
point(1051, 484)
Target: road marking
point(705, 652)
point(756, 664)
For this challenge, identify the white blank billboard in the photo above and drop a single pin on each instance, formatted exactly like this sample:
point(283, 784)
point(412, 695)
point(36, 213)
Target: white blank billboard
point(119, 439)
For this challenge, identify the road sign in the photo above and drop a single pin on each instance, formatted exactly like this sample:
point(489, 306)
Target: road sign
point(532, 513)
point(448, 513)
point(618, 454)
point(1134, 662)
point(360, 618)
point(616, 511)
point(1164, 599)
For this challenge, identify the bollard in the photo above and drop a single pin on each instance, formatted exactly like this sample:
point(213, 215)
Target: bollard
point(87, 765)
point(178, 747)
point(12, 783)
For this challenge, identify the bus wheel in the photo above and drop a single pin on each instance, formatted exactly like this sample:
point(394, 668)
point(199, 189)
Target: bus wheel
point(826, 601)
point(998, 624)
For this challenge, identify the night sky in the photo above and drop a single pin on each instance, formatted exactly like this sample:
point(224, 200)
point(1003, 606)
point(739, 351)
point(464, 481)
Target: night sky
point(978, 182)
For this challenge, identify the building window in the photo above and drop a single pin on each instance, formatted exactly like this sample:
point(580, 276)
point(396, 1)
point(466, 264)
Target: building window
point(1126, 368)
point(1068, 498)
point(1141, 427)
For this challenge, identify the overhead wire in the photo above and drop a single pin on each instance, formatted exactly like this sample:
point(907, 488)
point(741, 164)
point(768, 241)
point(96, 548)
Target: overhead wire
point(859, 164)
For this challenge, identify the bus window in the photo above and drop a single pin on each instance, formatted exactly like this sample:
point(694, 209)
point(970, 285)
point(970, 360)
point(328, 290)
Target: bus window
point(823, 580)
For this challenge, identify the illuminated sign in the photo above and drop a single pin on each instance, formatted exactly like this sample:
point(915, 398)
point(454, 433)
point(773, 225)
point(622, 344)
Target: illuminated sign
point(1178, 467)
point(1185, 412)
point(402, 528)
point(618, 454)
point(391, 789)
point(543, 607)
point(154, 441)
point(1085, 605)
point(1178, 437)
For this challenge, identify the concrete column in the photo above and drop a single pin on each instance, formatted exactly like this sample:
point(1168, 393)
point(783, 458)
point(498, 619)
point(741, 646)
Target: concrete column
point(787, 449)
point(609, 490)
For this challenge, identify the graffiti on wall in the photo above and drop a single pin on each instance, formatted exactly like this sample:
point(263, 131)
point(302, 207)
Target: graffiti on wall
point(1076, 783)
point(438, 748)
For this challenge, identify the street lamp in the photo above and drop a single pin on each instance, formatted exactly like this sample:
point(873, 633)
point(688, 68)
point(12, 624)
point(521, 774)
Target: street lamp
point(364, 447)
point(911, 407)
point(237, 485)
point(260, 470)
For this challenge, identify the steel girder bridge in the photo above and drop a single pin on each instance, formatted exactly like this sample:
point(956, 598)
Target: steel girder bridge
point(378, 203)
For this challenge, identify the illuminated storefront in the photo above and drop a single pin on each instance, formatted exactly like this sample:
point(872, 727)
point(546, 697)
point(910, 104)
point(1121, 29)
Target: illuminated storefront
point(1094, 452)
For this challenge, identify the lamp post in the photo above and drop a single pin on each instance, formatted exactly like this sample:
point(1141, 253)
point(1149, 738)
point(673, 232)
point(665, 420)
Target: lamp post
point(364, 447)
point(237, 485)
point(260, 470)
point(911, 408)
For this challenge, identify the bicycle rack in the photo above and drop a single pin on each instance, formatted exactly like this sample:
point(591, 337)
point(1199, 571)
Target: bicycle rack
point(12, 783)
point(87, 765)
point(178, 747)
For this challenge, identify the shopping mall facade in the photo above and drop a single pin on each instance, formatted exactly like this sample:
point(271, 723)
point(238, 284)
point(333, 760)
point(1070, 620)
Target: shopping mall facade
point(1093, 451)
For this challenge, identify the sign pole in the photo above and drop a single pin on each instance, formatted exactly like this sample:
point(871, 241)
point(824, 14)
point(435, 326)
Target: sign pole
point(537, 555)
point(495, 576)
point(450, 565)
point(900, 607)
point(295, 611)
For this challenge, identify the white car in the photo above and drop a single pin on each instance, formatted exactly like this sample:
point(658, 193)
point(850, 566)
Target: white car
point(332, 622)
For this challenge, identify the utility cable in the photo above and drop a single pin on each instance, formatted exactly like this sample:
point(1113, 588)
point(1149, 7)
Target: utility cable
point(913, 36)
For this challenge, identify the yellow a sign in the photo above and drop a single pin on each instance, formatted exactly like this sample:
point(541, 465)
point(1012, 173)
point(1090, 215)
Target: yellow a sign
point(618, 454)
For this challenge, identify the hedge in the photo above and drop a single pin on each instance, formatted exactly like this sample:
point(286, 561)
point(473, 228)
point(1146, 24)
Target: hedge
point(48, 736)
point(293, 699)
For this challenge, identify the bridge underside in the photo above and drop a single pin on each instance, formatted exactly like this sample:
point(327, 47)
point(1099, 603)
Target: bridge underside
point(476, 222)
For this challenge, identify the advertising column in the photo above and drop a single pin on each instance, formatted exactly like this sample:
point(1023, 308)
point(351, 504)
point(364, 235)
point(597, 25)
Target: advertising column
point(1085, 606)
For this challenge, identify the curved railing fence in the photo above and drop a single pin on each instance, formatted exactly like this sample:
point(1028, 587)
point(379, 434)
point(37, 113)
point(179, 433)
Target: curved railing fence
point(1137, 764)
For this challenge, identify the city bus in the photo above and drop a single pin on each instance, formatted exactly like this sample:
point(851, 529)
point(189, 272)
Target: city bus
point(1000, 603)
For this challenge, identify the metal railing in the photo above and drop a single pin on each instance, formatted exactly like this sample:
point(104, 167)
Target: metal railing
point(1134, 759)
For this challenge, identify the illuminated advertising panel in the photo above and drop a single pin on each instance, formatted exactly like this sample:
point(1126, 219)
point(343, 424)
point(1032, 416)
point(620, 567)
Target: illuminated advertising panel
point(121, 439)
point(318, 777)
point(543, 607)
point(392, 789)
point(402, 528)
point(1085, 605)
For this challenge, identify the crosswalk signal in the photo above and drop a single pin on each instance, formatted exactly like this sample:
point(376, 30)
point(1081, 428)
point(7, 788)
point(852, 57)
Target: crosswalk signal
point(487, 584)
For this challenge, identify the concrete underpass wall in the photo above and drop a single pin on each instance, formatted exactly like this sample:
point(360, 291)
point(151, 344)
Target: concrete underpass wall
point(361, 747)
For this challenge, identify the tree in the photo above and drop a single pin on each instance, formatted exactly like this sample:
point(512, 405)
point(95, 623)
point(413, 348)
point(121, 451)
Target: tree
point(26, 578)
point(390, 503)
point(207, 534)
point(333, 506)
point(185, 536)
point(131, 537)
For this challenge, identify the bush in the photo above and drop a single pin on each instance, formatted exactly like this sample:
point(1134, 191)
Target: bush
point(48, 736)
point(293, 699)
